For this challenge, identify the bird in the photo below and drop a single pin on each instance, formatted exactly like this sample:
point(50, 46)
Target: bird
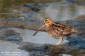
point(56, 30)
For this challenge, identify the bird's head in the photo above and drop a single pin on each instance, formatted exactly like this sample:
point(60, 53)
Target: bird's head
point(48, 21)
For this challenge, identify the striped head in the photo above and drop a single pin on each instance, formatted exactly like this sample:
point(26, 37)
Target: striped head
point(48, 22)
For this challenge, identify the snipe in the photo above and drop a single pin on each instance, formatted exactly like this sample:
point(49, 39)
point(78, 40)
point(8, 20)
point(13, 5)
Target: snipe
point(57, 30)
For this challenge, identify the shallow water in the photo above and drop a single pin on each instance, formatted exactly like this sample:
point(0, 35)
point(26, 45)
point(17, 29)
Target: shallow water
point(23, 43)
point(43, 44)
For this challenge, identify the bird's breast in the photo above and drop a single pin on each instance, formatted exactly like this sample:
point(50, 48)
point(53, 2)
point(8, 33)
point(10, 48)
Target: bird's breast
point(53, 32)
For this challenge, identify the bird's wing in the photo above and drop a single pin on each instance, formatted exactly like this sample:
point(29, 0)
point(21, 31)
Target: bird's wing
point(61, 29)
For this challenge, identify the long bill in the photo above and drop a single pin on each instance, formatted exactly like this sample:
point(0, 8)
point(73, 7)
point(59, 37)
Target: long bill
point(39, 29)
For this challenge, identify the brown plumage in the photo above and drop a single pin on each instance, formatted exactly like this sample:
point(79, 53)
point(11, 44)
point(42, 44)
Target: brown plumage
point(57, 30)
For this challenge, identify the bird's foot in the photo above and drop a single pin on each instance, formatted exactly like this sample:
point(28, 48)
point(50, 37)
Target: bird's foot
point(58, 43)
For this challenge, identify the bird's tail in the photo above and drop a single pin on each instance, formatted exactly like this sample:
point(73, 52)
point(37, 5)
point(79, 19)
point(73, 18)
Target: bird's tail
point(74, 30)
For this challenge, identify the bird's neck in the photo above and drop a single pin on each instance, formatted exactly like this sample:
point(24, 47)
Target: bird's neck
point(50, 25)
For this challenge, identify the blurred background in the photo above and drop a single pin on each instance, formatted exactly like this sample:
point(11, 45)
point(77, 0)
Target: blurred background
point(19, 19)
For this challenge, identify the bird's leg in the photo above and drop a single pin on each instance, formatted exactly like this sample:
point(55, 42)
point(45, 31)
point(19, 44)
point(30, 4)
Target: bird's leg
point(60, 41)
